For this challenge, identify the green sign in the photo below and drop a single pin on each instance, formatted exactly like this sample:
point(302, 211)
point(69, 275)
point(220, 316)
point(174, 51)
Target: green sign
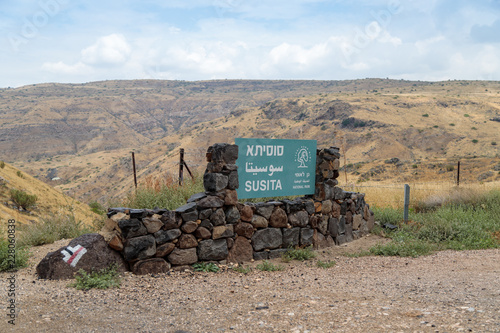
point(271, 168)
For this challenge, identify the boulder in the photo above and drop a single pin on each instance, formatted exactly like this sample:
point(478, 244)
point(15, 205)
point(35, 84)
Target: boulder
point(232, 215)
point(202, 233)
point(132, 228)
point(212, 250)
point(183, 256)
point(189, 227)
point(223, 231)
point(152, 224)
point(164, 249)
point(264, 209)
point(241, 251)
point(244, 229)
point(278, 218)
point(269, 238)
point(210, 201)
point(88, 252)
point(259, 221)
point(150, 266)
point(218, 217)
point(164, 236)
point(139, 248)
point(306, 236)
point(299, 219)
point(246, 213)
point(187, 241)
point(291, 237)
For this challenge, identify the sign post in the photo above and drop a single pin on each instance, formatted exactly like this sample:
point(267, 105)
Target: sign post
point(275, 167)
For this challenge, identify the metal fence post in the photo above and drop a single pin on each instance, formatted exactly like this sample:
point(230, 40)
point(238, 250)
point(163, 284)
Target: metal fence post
point(407, 202)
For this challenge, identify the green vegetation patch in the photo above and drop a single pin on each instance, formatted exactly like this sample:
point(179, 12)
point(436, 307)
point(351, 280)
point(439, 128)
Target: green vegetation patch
point(461, 221)
point(102, 279)
point(326, 264)
point(269, 267)
point(23, 199)
point(206, 267)
point(299, 254)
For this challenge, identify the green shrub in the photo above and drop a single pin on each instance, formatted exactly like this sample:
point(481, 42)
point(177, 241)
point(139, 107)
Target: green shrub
point(269, 267)
point(97, 208)
point(21, 260)
point(102, 279)
point(452, 124)
point(2, 164)
point(19, 174)
point(52, 228)
point(206, 267)
point(475, 141)
point(242, 269)
point(299, 254)
point(493, 143)
point(23, 199)
point(326, 264)
point(426, 115)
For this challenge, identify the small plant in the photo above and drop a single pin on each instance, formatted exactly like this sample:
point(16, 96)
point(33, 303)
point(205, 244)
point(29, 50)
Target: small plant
point(269, 267)
point(326, 264)
point(242, 269)
point(493, 143)
point(21, 258)
point(97, 208)
point(298, 254)
point(435, 126)
point(473, 128)
point(452, 124)
point(19, 174)
point(450, 167)
point(206, 267)
point(23, 199)
point(426, 115)
point(475, 141)
point(103, 279)
point(466, 115)
point(2, 164)
point(52, 228)
point(414, 166)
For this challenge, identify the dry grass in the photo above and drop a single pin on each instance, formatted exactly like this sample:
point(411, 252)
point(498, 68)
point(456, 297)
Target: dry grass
point(431, 193)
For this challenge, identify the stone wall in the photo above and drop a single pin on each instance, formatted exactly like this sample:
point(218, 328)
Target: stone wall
point(214, 226)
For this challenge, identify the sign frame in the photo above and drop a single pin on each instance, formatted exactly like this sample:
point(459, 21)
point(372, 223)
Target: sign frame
point(275, 167)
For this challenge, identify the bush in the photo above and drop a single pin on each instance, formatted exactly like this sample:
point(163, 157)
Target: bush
point(298, 254)
point(21, 260)
point(269, 267)
point(52, 228)
point(426, 115)
point(2, 164)
point(242, 269)
point(23, 199)
point(206, 267)
point(97, 208)
point(19, 174)
point(103, 279)
point(326, 264)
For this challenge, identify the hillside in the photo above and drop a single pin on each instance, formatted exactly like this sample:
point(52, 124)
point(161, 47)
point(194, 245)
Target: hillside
point(79, 137)
point(50, 201)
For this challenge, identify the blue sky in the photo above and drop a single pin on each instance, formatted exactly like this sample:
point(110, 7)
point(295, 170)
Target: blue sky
point(79, 41)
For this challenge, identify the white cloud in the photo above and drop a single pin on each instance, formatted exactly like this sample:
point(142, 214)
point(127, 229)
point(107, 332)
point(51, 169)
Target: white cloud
point(62, 68)
point(111, 50)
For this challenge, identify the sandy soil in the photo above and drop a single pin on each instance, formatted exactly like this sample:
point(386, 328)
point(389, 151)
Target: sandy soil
point(445, 292)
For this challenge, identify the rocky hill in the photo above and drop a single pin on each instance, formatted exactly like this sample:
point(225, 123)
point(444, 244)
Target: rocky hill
point(79, 137)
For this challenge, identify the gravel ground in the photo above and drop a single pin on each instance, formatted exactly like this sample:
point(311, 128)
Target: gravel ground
point(445, 292)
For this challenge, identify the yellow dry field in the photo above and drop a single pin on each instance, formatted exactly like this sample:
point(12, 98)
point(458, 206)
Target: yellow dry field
point(385, 194)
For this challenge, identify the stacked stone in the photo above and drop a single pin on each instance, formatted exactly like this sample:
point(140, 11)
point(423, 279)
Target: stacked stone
point(213, 226)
